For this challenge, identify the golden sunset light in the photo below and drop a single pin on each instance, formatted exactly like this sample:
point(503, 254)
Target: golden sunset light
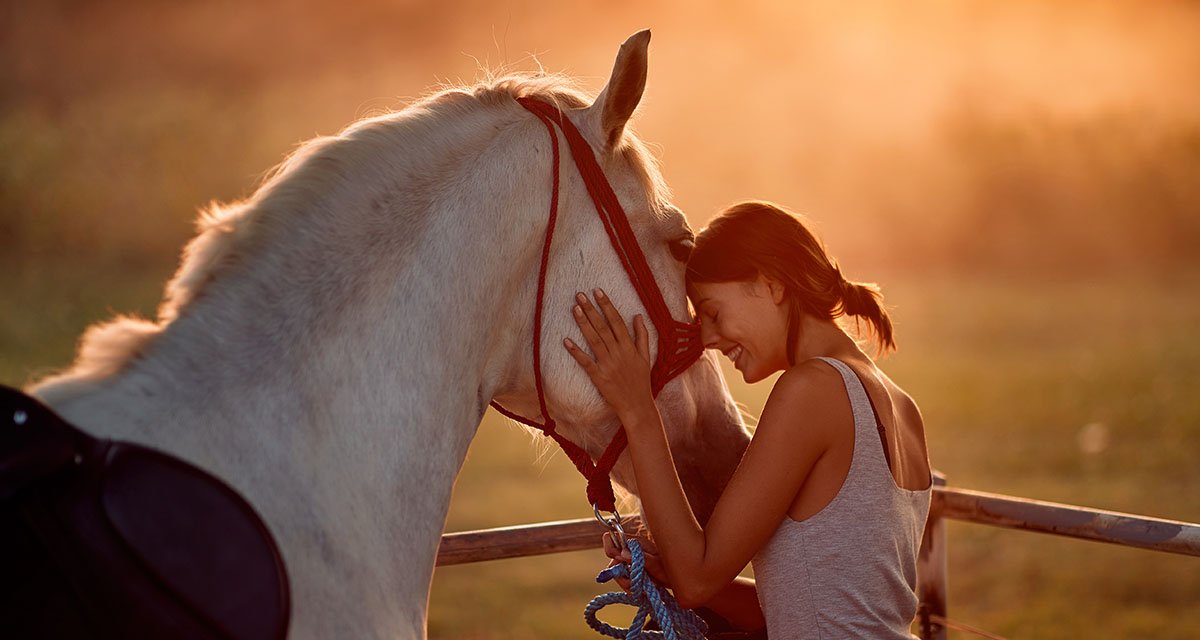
point(1021, 179)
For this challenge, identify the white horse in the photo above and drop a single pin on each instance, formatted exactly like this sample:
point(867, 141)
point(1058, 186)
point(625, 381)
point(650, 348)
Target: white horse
point(329, 345)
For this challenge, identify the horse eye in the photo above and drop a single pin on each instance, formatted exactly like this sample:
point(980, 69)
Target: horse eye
point(682, 248)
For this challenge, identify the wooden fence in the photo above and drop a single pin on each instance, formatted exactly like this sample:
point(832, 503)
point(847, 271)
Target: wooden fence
point(947, 503)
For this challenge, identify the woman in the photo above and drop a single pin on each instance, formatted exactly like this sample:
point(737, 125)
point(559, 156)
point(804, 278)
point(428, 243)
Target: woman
point(831, 496)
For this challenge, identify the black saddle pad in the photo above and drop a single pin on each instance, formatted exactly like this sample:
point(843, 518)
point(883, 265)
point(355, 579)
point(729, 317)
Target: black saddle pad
point(105, 539)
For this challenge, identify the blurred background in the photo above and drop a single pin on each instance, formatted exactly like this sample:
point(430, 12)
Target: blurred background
point(1022, 179)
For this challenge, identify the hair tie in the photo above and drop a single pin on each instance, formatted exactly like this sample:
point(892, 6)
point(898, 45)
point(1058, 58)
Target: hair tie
point(851, 299)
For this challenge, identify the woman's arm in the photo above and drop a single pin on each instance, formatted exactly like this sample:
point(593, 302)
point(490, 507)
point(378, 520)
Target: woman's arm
point(796, 428)
point(790, 438)
point(737, 602)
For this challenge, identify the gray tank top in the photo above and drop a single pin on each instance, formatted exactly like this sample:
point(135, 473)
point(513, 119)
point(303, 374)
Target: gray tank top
point(849, 571)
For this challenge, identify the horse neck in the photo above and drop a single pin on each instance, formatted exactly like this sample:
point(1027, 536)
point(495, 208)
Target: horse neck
point(289, 373)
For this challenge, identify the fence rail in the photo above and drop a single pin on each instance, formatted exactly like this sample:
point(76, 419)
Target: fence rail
point(952, 503)
point(524, 540)
point(992, 509)
point(1085, 523)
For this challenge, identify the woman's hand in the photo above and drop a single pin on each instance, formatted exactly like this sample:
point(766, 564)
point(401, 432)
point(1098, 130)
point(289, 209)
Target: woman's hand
point(621, 366)
point(621, 555)
point(617, 555)
point(615, 552)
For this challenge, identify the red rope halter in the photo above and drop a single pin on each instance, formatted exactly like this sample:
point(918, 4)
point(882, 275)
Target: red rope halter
point(678, 342)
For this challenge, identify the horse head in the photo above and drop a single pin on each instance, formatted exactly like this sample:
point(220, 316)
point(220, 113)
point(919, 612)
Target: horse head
point(701, 420)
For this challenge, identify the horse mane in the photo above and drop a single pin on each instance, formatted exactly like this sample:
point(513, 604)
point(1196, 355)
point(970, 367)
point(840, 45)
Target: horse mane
point(227, 231)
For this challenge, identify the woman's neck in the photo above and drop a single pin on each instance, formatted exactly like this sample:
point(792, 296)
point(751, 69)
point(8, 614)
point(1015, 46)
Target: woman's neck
point(818, 337)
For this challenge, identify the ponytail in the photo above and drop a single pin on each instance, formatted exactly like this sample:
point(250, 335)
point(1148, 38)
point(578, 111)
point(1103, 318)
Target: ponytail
point(864, 300)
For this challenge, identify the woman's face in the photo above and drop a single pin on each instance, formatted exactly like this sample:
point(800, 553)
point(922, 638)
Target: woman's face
point(747, 321)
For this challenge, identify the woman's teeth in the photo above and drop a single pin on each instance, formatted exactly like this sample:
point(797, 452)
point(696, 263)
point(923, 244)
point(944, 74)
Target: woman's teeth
point(734, 353)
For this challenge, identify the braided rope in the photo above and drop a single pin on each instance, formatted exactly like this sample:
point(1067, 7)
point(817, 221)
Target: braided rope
point(676, 622)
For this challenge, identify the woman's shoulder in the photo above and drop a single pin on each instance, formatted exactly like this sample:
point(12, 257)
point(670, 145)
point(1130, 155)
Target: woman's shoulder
point(816, 384)
point(810, 392)
point(802, 410)
point(810, 377)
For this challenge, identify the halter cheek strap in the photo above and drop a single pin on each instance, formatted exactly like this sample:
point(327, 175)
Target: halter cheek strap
point(678, 342)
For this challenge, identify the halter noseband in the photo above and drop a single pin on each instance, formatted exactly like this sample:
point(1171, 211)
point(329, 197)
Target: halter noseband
point(678, 342)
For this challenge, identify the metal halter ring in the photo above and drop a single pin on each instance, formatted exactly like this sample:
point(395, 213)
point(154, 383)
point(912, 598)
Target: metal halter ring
point(613, 524)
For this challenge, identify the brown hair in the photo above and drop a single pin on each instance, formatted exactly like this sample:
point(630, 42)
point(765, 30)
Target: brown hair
point(752, 238)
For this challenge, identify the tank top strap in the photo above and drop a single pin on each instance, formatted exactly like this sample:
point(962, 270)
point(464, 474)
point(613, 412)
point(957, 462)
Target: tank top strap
point(869, 455)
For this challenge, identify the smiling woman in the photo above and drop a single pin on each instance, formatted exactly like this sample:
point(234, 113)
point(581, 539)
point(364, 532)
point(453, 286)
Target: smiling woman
point(831, 497)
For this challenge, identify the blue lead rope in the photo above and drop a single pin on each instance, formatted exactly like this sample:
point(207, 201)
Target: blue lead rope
point(676, 622)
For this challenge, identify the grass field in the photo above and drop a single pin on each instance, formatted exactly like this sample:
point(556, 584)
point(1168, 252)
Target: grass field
point(1014, 379)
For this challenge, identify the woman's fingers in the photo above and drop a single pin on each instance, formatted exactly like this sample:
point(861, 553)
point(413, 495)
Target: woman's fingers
point(580, 355)
point(615, 552)
point(594, 338)
point(610, 547)
point(616, 323)
point(597, 321)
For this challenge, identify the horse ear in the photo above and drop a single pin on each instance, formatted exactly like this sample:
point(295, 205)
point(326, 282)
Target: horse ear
point(621, 95)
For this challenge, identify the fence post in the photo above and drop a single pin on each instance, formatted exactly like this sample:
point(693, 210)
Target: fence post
point(931, 570)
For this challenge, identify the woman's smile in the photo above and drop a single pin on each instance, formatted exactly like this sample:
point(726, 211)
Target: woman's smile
point(733, 353)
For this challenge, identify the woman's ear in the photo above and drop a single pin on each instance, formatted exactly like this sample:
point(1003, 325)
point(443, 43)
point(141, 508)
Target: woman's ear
point(775, 288)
